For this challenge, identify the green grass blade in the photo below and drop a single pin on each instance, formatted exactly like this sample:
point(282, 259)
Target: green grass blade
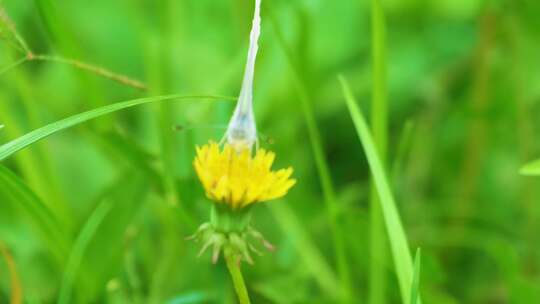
point(379, 125)
point(159, 70)
point(404, 145)
point(79, 248)
point(321, 163)
point(20, 143)
point(312, 258)
point(14, 191)
point(103, 256)
point(531, 169)
point(394, 227)
point(415, 288)
point(123, 150)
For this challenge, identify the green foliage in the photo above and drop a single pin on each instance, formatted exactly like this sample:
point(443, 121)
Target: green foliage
point(77, 252)
point(96, 196)
point(15, 145)
point(14, 192)
point(394, 227)
point(415, 286)
point(532, 168)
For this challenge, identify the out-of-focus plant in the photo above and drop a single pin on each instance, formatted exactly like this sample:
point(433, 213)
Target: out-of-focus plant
point(531, 169)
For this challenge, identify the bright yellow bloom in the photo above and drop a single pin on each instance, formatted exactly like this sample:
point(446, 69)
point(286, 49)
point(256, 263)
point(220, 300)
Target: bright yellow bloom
point(238, 179)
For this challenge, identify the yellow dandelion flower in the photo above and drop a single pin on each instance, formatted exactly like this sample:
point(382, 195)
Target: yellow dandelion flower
point(239, 179)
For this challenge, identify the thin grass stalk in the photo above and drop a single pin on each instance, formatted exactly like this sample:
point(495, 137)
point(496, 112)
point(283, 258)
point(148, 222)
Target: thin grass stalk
point(13, 65)
point(311, 257)
point(478, 139)
point(160, 81)
point(160, 73)
point(323, 170)
point(415, 288)
point(379, 116)
point(133, 277)
point(403, 148)
point(394, 228)
point(524, 118)
point(81, 65)
point(21, 45)
point(99, 71)
point(172, 215)
point(79, 248)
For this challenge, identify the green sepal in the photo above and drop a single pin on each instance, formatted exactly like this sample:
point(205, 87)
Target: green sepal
point(227, 220)
point(229, 230)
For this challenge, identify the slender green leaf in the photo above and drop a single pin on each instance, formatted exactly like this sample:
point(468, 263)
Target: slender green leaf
point(415, 288)
point(312, 258)
point(79, 248)
point(394, 227)
point(321, 163)
point(14, 190)
point(404, 145)
point(103, 257)
point(531, 169)
point(20, 143)
point(379, 127)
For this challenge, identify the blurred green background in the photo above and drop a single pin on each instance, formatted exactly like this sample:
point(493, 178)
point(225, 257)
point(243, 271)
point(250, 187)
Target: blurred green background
point(465, 74)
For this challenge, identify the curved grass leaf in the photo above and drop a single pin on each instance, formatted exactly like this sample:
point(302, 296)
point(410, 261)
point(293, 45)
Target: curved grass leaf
point(79, 248)
point(13, 146)
point(415, 289)
point(379, 126)
point(321, 164)
point(13, 189)
point(313, 259)
point(396, 233)
point(104, 257)
point(403, 147)
point(531, 169)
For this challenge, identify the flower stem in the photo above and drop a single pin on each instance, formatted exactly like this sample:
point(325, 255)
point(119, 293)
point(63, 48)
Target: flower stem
point(238, 279)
